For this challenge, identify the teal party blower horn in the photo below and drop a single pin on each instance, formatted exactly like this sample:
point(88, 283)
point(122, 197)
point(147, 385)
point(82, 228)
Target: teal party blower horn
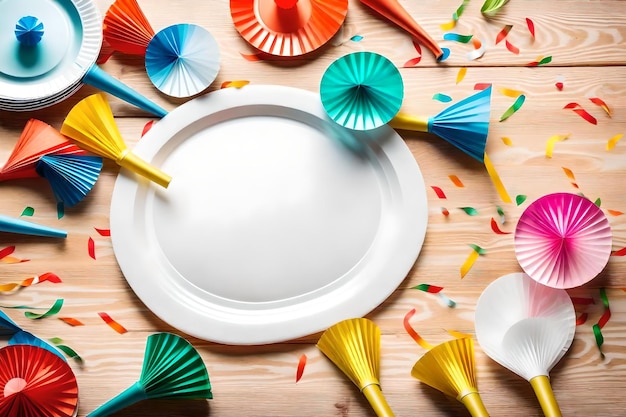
point(12, 225)
point(172, 368)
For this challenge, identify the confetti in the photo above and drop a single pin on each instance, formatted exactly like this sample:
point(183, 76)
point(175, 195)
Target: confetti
point(597, 328)
point(560, 80)
point(615, 212)
point(5, 256)
point(621, 252)
point(599, 102)
point(28, 211)
point(568, 172)
point(412, 62)
point(413, 333)
point(432, 289)
point(12, 287)
point(445, 211)
point(103, 232)
point(438, 191)
point(442, 97)
point(458, 335)
point(495, 179)
point(613, 141)
point(507, 141)
point(461, 74)
point(509, 92)
point(479, 50)
point(511, 48)
point(252, 57)
point(6, 251)
point(496, 228)
point(482, 86)
point(71, 321)
point(91, 248)
point(580, 320)
point(456, 181)
point(585, 115)
point(301, 365)
point(519, 199)
point(514, 108)
point(147, 127)
point(446, 55)
point(56, 307)
point(71, 353)
point(571, 106)
point(470, 211)
point(598, 202)
point(457, 37)
point(235, 84)
point(469, 262)
point(356, 38)
point(540, 61)
point(112, 323)
point(455, 17)
point(60, 210)
point(503, 33)
point(552, 141)
point(446, 301)
point(531, 27)
point(500, 211)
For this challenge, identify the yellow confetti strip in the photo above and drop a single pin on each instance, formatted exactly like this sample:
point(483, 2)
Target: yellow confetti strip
point(554, 139)
point(509, 92)
point(497, 182)
point(458, 335)
point(613, 141)
point(469, 262)
point(235, 84)
point(507, 141)
point(461, 74)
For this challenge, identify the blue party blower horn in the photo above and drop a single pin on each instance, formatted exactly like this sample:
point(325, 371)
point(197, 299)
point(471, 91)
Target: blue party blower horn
point(12, 225)
point(464, 124)
point(172, 368)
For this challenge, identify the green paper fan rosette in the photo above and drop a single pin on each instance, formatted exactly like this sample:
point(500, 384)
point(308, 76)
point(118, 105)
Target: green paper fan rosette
point(362, 90)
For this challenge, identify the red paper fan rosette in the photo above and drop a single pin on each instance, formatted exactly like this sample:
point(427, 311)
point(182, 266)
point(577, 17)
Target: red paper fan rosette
point(35, 382)
point(563, 240)
point(288, 27)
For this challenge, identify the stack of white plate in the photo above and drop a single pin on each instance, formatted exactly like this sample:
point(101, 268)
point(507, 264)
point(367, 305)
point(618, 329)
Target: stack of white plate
point(33, 77)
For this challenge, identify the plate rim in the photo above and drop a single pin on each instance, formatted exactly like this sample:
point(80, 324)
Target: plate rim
point(224, 327)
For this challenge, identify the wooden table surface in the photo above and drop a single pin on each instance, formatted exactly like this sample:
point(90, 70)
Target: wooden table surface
point(586, 42)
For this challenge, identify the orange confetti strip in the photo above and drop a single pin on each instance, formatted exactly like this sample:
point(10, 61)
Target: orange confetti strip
point(615, 212)
point(469, 262)
point(235, 84)
point(613, 141)
point(461, 74)
point(599, 102)
point(509, 92)
point(456, 181)
point(252, 57)
point(512, 48)
point(503, 33)
point(552, 141)
point(91, 248)
point(495, 179)
point(71, 321)
point(496, 228)
point(569, 173)
point(112, 323)
point(13, 260)
point(409, 329)
point(507, 141)
point(301, 365)
point(445, 211)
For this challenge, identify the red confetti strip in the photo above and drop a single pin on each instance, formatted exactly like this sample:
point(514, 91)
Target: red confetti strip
point(615, 212)
point(147, 127)
point(512, 48)
point(482, 86)
point(597, 328)
point(580, 320)
point(503, 33)
point(583, 300)
point(456, 181)
point(571, 106)
point(599, 102)
point(7, 251)
point(438, 191)
point(409, 329)
point(71, 321)
point(48, 276)
point(559, 85)
point(585, 115)
point(445, 211)
point(432, 289)
point(112, 323)
point(103, 232)
point(496, 228)
point(301, 365)
point(540, 61)
point(412, 62)
point(91, 248)
point(531, 27)
point(621, 252)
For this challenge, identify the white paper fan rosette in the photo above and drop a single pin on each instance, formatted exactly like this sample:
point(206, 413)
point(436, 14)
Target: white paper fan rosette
point(182, 60)
point(563, 240)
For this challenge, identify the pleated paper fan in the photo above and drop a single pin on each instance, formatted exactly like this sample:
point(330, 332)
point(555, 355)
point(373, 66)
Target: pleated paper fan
point(353, 345)
point(70, 176)
point(288, 28)
point(182, 60)
point(126, 28)
point(18, 336)
point(37, 139)
point(29, 30)
point(35, 382)
point(563, 240)
point(172, 368)
point(450, 368)
point(362, 90)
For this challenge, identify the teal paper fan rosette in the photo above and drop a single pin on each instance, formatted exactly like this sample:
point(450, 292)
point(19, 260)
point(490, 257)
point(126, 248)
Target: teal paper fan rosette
point(362, 90)
point(182, 60)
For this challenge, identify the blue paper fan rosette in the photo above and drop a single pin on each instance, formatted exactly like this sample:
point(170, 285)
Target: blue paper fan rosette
point(362, 90)
point(29, 30)
point(182, 60)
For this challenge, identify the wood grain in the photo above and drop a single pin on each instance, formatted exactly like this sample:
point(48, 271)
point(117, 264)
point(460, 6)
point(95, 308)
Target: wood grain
point(586, 41)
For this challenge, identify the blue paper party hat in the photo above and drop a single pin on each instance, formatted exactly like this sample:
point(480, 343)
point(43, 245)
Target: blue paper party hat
point(12, 225)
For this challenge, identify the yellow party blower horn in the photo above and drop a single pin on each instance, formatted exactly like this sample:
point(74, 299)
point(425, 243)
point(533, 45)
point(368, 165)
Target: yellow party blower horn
point(91, 123)
point(450, 368)
point(353, 345)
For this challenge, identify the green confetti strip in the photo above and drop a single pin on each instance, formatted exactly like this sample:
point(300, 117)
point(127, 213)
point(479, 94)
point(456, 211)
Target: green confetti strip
point(69, 352)
point(56, 307)
point(478, 249)
point(597, 328)
point(491, 7)
point(28, 211)
point(457, 37)
point(519, 199)
point(23, 307)
point(598, 202)
point(514, 108)
point(500, 211)
point(470, 211)
point(60, 210)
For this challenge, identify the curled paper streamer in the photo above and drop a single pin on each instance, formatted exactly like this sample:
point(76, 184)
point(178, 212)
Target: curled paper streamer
point(552, 141)
point(112, 323)
point(514, 108)
point(409, 329)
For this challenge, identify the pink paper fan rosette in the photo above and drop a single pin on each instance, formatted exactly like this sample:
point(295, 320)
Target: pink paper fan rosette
point(563, 240)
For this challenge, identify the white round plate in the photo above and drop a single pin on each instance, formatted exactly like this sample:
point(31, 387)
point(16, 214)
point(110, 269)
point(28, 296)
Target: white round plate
point(278, 222)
